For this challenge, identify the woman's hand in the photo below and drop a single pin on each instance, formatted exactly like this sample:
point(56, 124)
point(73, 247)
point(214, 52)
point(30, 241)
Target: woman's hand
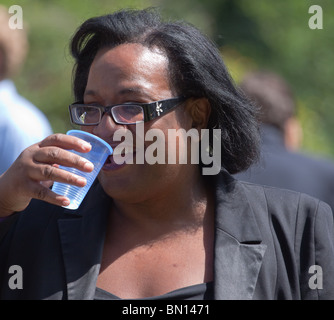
point(37, 167)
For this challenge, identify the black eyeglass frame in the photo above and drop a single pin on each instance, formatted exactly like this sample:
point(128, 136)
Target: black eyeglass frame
point(151, 110)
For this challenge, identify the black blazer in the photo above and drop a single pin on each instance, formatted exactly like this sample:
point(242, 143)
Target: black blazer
point(279, 167)
point(266, 241)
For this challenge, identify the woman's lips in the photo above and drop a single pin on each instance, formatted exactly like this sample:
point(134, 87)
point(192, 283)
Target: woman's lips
point(120, 157)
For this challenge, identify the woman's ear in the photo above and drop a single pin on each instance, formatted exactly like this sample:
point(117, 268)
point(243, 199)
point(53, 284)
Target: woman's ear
point(199, 110)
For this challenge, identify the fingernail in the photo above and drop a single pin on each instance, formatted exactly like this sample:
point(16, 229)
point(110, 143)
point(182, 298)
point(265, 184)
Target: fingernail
point(66, 203)
point(88, 166)
point(81, 181)
point(86, 145)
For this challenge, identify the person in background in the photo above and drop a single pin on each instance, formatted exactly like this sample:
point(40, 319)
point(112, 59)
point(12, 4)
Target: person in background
point(21, 123)
point(282, 164)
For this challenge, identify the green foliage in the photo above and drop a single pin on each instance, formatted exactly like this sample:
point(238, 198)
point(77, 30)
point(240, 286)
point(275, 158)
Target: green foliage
point(252, 34)
point(275, 35)
point(46, 76)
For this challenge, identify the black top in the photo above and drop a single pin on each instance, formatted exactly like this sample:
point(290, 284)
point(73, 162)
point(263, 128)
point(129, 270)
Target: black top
point(266, 241)
point(202, 291)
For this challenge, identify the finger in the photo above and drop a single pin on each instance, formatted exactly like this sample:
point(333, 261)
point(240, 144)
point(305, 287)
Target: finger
point(66, 142)
point(46, 184)
point(43, 193)
point(52, 173)
point(56, 156)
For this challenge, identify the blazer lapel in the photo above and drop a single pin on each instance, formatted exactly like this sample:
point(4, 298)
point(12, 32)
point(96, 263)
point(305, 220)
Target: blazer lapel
point(82, 237)
point(238, 249)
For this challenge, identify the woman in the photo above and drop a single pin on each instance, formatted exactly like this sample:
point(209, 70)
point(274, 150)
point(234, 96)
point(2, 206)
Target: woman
point(158, 230)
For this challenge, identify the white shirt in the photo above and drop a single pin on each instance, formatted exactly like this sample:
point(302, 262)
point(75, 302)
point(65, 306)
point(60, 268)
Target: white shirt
point(21, 124)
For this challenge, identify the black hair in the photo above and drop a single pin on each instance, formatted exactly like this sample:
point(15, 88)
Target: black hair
point(196, 69)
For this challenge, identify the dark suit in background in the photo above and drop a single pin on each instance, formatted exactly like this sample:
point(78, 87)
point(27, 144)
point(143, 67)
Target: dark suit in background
point(292, 170)
point(281, 165)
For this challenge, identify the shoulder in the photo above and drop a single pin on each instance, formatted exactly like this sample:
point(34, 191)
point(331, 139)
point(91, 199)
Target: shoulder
point(293, 216)
point(19, 109)
point(299, 228)
point(280, 201)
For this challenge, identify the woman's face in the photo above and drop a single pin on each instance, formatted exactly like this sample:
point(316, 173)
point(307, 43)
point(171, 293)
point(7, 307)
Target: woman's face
point(134, 73)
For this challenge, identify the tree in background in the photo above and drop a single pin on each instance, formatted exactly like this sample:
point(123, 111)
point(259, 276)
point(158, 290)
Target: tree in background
point(259, 33)
point(276, 35)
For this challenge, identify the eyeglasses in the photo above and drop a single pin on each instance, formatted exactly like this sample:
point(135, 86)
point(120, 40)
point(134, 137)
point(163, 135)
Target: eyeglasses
point(129, 113)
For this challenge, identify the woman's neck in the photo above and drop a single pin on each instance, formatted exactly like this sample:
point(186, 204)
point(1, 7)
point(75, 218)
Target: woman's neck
point(179, 208)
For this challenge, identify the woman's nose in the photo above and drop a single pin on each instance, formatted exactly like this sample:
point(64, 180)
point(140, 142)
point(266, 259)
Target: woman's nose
point(107, 126)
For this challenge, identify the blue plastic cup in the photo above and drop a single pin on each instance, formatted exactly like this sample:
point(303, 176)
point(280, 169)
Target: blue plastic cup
point(97, 155)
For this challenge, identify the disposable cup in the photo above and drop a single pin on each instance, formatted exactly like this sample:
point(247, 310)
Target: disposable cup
point(97, 155)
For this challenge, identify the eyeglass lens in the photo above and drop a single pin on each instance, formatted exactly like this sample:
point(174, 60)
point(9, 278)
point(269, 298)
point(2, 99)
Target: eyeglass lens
point(128, 113)
point(121, 114)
